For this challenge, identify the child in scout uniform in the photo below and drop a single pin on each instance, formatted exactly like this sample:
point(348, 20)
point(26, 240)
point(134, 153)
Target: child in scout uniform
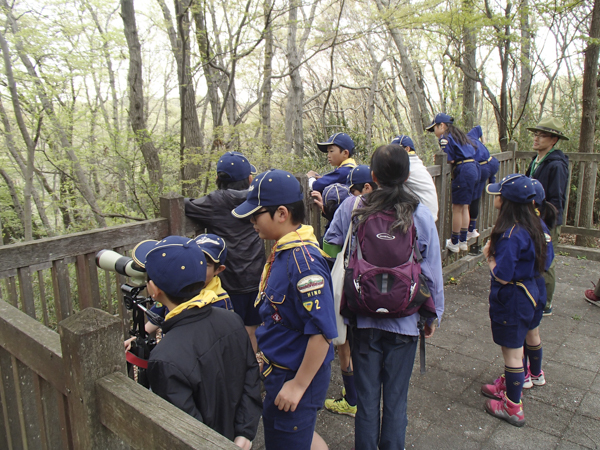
point(200, 344)
point(339, 148)
point(488, 167)
point(215, 251)
point(297, 312)
point(419, 180)
point(465, 176)
point(516, 255)
point(246, 249)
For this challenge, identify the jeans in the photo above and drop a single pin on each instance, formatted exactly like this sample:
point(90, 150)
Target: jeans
point(381, 358)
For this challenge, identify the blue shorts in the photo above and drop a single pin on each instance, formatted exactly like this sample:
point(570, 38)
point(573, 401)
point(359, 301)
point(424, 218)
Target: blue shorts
point(513, 313)
point(293, 430)
point(465, 179)
point(243, 305)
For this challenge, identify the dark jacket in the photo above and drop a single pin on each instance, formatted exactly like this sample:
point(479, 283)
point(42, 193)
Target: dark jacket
point(245, 250)
point(205, 366)
point(553, 174)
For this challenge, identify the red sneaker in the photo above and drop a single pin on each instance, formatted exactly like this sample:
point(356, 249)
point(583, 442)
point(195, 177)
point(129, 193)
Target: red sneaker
point(507, 410)
point(590, 297)
point(496, 390)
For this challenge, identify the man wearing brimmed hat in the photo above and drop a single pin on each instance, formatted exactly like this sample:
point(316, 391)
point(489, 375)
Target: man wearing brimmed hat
point(551, 168)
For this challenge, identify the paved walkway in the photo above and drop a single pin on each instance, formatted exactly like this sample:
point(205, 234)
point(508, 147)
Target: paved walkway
point(445, 409)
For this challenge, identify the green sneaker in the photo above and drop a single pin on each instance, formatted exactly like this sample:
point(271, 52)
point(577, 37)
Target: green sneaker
point(340, 406)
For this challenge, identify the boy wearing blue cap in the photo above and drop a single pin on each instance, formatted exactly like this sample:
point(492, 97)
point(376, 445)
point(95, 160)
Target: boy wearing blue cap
point(200, 344)
point(419, 180)
point(465, 176)
point(339, 148)
point(246, 250)
point(516, 254)
point(297, 312)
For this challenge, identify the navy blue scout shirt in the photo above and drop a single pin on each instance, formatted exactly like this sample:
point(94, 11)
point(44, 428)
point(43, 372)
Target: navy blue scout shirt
point(298, 304)
point(515, 262)
point(455, 151)
point(338, 175)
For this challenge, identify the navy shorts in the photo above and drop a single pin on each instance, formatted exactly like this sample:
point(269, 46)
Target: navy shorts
point(465, 179)
point(512, 313)
point(293, 430)
point(243, 305)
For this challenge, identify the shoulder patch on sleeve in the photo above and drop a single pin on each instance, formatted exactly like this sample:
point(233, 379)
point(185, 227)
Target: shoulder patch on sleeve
point(443, 141)
point(548, 238)
point(310, 283)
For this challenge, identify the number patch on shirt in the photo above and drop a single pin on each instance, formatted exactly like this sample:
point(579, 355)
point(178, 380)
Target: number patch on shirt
point(310, 283)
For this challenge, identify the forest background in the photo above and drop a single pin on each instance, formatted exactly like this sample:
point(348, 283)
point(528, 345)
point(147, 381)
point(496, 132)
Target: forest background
point(106, 105)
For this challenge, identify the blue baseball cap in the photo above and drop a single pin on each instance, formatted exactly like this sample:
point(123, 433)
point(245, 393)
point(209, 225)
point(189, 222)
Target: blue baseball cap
point(360, 174)
point(336, 192)
point(439, 118)
point(342, 140)
point(515, 187)
point(173, 264)
point(540, 194)
point(403, 141)
point(213, 246)
point(271, 188)
point(235, 165)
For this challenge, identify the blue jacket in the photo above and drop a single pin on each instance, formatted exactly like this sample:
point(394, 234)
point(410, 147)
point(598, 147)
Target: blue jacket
point(338, 175)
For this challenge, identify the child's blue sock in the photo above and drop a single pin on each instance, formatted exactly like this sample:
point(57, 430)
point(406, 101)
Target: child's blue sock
point(348, 378)
point(463, 234)
point(515, 377)
point(534, 354)
point(455, 238)
point(472, 225)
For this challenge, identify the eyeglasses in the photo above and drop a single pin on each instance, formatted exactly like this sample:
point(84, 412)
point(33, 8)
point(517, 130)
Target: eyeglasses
point(258, 213)
point(537, 134)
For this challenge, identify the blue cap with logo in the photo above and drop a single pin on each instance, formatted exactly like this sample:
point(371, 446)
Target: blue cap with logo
point(271, 188)
point(540, 194)
point(342, 140)
point(235, 165)
point(403, 141)
point(439, 118)
point(335, 192)
point(173, 264)
point(213, 246)
point(360, 174)
point(515, 187)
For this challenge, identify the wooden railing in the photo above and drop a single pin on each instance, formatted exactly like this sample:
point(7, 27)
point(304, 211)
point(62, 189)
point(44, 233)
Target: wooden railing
point(49, 280)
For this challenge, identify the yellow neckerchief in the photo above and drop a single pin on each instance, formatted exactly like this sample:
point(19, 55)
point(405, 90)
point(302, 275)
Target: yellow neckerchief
point(348, 163)
point(215, 286)
point(536, 164)
point(205, 297)
point(301, 237)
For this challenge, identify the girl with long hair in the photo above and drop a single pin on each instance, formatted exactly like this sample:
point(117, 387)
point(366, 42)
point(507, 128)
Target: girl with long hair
point(465, 176)
point(383, 349)
point(516, 255)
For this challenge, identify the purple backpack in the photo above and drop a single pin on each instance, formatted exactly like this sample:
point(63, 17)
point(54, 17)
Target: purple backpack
point(383, 275)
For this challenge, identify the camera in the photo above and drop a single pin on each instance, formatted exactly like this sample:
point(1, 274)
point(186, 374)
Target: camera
point(124, 265)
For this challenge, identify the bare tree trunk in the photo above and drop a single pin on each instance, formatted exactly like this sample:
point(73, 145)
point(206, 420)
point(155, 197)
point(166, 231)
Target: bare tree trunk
point(588, 123)
point(375, 67)
point(15, 198)
point(416, 99)
point(526, 75)
point(136, 97)
point(294, 134)
point(469, 61)
point(267, 90)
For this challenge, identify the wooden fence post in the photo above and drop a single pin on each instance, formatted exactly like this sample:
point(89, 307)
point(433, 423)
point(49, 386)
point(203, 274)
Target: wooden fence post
point(441, 184)
point(513, 147)
point(91, 348)
point(171, 207)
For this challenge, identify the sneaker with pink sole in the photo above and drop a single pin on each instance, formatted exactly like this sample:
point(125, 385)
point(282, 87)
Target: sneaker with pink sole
point(506, 409)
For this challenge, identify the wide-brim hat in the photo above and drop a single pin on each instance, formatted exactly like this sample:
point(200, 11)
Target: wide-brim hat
point(550, 125)
point(342, 140)
point(271, 188)
point(515, 187)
